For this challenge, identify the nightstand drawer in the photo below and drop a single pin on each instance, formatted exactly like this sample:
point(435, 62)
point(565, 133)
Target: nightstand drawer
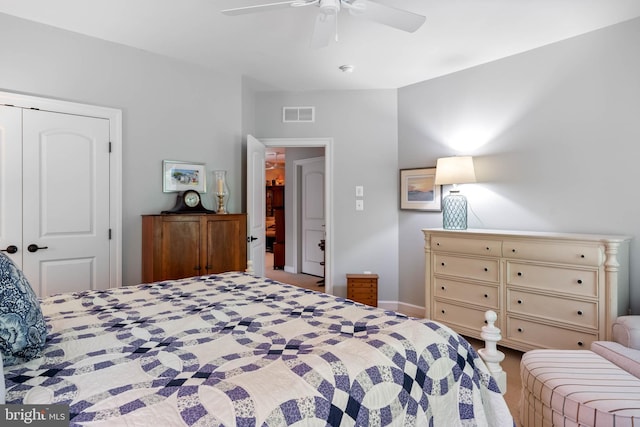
point(561, 253)
point(486, 269)
point(467, 246)
point(537, 335)
point(474, 293)
point(580, 313)
point(557, 279)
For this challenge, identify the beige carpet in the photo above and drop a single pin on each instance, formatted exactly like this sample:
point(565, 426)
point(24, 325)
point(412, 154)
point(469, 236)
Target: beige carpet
point(511, 363)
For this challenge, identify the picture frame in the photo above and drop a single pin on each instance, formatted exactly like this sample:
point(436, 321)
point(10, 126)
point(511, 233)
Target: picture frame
point(418, 190)
point(180, 176)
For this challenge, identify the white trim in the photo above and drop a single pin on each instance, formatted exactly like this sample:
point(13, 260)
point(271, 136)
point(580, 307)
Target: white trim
point(404, 308)
point(115, 164)
point(327, 143)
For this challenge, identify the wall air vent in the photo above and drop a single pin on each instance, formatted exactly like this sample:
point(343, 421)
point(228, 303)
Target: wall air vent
point(298, 114)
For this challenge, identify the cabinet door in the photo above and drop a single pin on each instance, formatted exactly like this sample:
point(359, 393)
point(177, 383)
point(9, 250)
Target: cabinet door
point(226, 243)
point(178, 254)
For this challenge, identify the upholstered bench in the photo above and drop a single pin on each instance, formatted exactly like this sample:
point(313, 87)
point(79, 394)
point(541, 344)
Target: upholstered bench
point(598, 387)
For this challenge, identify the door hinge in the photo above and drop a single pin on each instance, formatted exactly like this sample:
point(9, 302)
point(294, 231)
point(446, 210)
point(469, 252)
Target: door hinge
point(109, 234)
point(109, 146)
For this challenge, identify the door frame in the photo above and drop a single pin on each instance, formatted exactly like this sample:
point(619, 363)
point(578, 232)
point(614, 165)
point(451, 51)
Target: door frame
point(115, 162)
point(327, 144)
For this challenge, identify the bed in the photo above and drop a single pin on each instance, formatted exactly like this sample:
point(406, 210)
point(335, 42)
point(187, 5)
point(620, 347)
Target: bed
point(236, 349)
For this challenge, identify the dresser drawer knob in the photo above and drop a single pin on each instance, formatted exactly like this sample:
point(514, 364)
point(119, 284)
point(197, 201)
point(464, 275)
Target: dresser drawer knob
point(488, 248)
point(486, 295)
point(442, 311)
point(520, 273)
point(519, 329)
point(513, 250)
point(437, 243)
point(519, 301)
point(580, 343)
point(580, 313)
point(579, 281)
point(582, 256)
point(442, 264)
point(486, 269)
point(443, 288)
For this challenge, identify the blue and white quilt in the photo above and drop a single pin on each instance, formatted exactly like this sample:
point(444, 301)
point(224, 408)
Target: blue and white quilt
point(237, 350)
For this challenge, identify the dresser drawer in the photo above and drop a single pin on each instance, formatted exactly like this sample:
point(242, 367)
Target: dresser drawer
point(467, 246)
point(486, 269)
point(470, 318)
point(580, 313)
point(554, 252)
point(474, 293)
point(538, 335)
point(557, 279)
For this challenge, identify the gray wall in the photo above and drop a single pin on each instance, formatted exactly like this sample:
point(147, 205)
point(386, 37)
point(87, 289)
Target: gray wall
point(170, 111)
point(363, 125)
point(556, 133)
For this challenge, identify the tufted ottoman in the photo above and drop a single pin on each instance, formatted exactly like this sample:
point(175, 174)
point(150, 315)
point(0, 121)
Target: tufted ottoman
point(580, 387)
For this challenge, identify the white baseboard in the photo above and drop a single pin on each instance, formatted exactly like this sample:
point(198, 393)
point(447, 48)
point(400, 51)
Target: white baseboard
point(402, 307)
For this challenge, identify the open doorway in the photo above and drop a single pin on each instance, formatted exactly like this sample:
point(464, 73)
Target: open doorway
point(295, 215)
point(256, 198)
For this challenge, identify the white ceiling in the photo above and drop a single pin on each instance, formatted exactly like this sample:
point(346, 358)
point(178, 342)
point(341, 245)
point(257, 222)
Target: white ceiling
point(272, 47)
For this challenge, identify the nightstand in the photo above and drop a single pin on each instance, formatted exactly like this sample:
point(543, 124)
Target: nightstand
point(363, 288)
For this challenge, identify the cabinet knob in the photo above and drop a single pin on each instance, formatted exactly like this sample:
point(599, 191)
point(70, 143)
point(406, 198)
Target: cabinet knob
point(579, 281)
point(443, 288)
point(488, 248)
point(442, 264)
point(582, 256)
point(520, 273)
point(519, 301)
point(442, 311)
point(519, 329)
point(486, 295)
point(486, 269)
point(580, 343)
point(579, 312)
point(513, 250)
point(437, 243)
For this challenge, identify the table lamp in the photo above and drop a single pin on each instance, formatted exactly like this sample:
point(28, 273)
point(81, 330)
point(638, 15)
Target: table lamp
point(454, 170)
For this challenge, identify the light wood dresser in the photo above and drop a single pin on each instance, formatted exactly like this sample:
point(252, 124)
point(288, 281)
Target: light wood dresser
point(549, 290)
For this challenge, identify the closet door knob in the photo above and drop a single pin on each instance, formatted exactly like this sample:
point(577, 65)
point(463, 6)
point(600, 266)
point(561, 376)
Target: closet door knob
point(34, 248)
point(12, 249)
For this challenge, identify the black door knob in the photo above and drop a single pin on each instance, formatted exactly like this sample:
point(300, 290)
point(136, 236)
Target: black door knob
point(34, 248)
point(12, 249)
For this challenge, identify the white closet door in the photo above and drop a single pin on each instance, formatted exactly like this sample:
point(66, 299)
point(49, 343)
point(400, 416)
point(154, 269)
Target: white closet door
point(256, 203)
point(313, 221)
point(66, 202)
point(11, 183)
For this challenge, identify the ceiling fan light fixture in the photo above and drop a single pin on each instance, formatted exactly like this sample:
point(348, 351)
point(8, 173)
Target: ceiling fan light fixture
point(330, 7)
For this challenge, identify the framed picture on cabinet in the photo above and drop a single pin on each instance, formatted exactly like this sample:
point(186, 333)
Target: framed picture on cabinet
point(418, 190)
point(181, 176)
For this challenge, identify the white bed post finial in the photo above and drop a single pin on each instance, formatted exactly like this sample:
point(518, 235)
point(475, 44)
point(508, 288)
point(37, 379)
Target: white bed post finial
point(490, 354)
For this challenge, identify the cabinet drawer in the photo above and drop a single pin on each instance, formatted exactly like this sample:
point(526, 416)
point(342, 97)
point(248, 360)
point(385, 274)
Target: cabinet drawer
point(581, 313)
point(547, 336)
point(569, 253)
point(467, 246)
point(557, 279)
point(474, 293)
point(363, 283)
point(486, 269)
point(470, 318)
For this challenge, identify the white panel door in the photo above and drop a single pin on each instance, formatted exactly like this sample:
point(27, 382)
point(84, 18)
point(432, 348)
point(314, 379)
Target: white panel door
point(65, 202)
point(256, 203)
point(11, 183)
point(313, 220)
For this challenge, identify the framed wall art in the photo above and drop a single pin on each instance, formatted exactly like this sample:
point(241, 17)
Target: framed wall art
point(181, 176)
point(418, 190)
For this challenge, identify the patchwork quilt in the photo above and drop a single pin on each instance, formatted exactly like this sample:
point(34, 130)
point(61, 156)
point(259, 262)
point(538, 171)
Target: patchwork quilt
point(238, 350)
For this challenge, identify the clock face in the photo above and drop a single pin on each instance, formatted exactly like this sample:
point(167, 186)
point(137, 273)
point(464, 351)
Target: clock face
point(191, 198)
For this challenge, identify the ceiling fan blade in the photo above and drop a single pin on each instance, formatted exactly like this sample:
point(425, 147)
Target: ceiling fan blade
point(259, 7)
point(387, 15)
point(323, 30)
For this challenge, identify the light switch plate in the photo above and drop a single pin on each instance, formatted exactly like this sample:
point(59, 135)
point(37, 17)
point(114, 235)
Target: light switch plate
point(359, 191)
point(359, 205)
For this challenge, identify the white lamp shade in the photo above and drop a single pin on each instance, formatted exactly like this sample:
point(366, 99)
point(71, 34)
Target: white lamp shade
point(455, 170)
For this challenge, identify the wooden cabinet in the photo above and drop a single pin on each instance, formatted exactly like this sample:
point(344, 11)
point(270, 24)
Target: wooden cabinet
point(275, 208)
point(177, 246)
point(363, 288)
point(549, 290)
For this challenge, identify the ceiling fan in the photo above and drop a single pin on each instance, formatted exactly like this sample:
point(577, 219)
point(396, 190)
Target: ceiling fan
point(326, 20)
